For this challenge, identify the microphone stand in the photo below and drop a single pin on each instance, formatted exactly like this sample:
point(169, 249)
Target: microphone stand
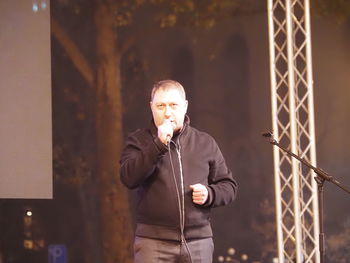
point(320, 178)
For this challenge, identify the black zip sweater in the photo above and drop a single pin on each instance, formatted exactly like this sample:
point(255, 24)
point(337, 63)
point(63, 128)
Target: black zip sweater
point(161, 207)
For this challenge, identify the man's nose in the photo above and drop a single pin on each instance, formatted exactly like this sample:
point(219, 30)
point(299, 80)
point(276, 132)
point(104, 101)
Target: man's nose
point(168, 111)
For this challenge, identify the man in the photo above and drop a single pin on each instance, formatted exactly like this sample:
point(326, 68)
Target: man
point(180, 174)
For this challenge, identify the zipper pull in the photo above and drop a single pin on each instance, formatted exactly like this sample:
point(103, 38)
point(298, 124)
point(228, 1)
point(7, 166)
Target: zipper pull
point(182, 240)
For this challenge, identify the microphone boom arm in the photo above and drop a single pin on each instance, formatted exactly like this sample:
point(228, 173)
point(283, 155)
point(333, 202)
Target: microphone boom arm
point(322, 174)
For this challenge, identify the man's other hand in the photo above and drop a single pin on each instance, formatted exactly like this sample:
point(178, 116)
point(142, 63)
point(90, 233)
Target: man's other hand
point(199, 194)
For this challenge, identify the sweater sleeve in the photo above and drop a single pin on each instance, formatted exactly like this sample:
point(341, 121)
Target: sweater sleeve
point(139, 158)
point(222, 188)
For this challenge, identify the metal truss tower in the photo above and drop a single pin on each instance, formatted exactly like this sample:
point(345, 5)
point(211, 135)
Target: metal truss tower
point(293, 126)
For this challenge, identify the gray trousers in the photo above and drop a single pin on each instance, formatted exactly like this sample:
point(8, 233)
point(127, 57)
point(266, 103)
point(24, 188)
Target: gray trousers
point(147, 250)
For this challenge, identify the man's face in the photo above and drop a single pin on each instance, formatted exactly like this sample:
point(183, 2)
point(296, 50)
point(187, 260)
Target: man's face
point(169, 105)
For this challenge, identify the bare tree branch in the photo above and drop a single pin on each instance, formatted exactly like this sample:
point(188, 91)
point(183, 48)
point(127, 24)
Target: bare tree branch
point(73, 52)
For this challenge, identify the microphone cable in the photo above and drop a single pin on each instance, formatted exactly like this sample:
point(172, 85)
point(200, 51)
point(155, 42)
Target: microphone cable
point(181, 212)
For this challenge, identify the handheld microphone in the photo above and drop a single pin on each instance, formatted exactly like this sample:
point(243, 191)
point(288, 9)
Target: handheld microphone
point(168, 139)
point(169, 136)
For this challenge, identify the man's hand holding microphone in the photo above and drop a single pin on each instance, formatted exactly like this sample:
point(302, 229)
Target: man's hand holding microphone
point(165, 131)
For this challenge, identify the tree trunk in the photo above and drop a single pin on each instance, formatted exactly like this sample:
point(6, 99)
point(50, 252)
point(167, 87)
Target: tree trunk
point(115, 213)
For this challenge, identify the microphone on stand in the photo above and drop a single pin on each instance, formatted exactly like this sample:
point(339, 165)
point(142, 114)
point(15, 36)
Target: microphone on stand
point(267, 134)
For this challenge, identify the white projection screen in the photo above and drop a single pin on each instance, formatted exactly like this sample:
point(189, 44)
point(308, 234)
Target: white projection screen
point(25, 100)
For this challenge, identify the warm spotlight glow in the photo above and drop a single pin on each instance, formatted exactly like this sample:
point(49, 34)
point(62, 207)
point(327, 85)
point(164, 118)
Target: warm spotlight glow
point(29, 213)
point(231, 251)
point(221, 258)
point(244, 257)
